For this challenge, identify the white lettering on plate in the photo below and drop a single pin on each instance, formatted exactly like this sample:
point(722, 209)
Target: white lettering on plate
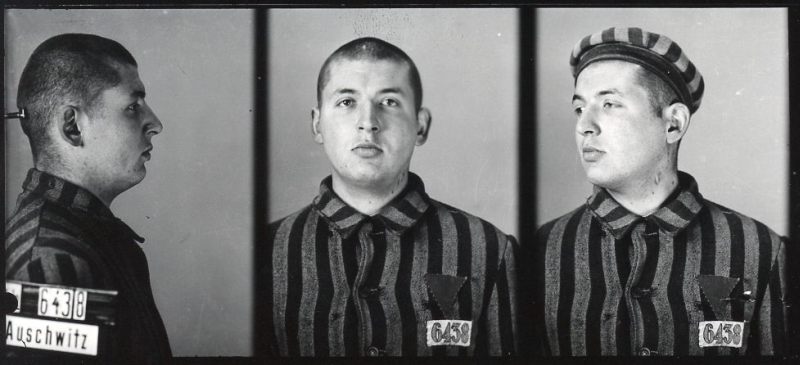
point(45, 334)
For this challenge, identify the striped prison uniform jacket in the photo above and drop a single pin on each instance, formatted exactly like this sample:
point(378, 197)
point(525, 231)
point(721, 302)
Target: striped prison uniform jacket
point(341, 283)
point(61, 234)
point(609, 282)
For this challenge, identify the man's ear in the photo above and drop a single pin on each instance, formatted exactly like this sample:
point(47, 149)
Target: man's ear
point(677, 117)
point(71, 123)
point(315, 126)
point(424, 121)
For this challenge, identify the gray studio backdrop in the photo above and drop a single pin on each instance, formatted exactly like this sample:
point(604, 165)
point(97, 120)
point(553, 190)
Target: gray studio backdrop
point(737, 144)
point(194, 207)
point(467, 59)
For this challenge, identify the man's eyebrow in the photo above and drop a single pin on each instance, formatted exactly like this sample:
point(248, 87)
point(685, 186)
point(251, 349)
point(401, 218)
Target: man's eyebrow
point(344, 91)
point(610, 92)
point(395, 90)
point(138, 94)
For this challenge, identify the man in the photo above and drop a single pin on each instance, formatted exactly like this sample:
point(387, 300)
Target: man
point(374, 266)
point(648, 266)
point(90, 133)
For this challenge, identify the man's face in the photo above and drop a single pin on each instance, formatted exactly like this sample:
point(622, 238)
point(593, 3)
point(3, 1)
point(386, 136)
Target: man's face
point(620, 140)
point(118, 136)
point(367, 122)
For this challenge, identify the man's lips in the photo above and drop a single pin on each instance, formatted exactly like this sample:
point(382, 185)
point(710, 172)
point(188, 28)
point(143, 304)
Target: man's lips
point(146, 153)
point(591, 154)
point(367, 150)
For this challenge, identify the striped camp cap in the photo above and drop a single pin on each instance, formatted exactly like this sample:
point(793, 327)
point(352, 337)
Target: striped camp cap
point(655, 52)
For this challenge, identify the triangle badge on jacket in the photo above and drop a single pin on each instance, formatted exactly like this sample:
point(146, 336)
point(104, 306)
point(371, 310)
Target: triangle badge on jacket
point(717, 290)
point(444, 289)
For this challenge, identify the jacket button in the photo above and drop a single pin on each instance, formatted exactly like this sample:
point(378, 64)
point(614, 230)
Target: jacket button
point(369, 292)
point(638, 292)
point(644, 351)
point(373, 351)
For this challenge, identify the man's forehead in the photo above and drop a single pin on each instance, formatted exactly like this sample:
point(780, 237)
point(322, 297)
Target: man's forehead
point(368, 72)
point(129, 87)
point(369, 61)
point(608, 74)
point(129, 78)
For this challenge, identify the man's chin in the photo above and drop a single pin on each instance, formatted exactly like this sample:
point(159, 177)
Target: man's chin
point(596, 177)
point(367, 179)
point(137, 177)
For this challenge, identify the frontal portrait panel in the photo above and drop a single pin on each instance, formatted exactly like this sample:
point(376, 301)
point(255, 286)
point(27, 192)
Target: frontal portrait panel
point(467, 62)
point(394, 254)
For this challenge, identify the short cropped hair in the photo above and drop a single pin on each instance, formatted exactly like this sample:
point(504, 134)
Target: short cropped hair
point(369, 48)
point(661, 95)
point(73, 68)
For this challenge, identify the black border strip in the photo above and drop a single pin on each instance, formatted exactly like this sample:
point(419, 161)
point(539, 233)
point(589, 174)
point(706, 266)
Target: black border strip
point(792, 249)
point(6, 296)
point(260, 178)
point(217, 4)
point(527, 125)
point(527, 172)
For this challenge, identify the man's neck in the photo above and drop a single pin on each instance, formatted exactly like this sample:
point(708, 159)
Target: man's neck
point(645, 197)
point(369, 200)
point(76, 179)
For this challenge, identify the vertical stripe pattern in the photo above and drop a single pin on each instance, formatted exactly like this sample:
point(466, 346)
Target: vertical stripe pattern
point(61, 234)
point(619, 284)
point(347, 284)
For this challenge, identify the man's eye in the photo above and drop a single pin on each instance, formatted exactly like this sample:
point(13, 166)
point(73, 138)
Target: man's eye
point(578, 110)
point(390, 102)
point(345, 102)
point(134, 107)
point(608, 104)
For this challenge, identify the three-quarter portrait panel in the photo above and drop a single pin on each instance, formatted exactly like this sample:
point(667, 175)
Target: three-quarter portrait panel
point(349, 182)
point(662, 182)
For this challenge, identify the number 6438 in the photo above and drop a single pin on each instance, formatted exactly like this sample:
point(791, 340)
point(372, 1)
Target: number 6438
point(449, 332)
point(62, 303)
point(721, 333)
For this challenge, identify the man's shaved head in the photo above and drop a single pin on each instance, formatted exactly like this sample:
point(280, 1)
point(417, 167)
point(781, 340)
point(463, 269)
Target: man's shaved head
point(373, 49)
point(67, 68)
point(661, 94)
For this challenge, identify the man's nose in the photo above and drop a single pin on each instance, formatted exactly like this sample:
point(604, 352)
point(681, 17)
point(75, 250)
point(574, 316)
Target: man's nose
point(153, 125)
point(368, 119)
point(587, 122)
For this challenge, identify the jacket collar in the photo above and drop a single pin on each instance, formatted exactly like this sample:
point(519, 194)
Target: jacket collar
point(401, 213)
point(680, 208)
point(66, 194)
